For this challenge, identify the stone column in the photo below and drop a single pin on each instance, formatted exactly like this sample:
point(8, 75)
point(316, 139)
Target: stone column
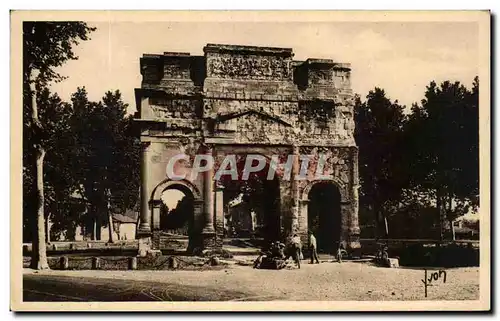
point(219, 215)
point(208, 231)
point(144, 228)
point(295, 191)
point(303, 220)
point(156, 213)
point(345, 219)
point(195, 237)
point(354, 230)
point(285, 207)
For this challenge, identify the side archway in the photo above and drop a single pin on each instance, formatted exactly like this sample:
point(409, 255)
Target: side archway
point(172, 224)
point(182, 185)
point(344, 193)
point(322, 207)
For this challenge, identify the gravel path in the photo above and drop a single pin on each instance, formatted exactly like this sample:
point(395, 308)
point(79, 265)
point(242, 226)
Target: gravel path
point(323, 282)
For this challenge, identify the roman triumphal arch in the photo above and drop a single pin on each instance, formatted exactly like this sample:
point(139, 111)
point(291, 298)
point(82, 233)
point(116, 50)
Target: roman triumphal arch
point(248, 100)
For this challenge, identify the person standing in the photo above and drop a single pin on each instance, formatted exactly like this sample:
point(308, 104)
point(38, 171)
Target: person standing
point(295, 249)
point(313, 248)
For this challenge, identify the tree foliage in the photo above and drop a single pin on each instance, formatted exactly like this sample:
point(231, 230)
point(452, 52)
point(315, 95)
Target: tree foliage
point(49, 44)
point(426, 159)
point(92, 162)
point(443, 136)
point(46, 46)
point(380, 137)
point(107, 149)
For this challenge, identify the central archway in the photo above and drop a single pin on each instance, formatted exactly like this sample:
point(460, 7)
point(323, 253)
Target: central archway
point(251, 207)
point(324, 215)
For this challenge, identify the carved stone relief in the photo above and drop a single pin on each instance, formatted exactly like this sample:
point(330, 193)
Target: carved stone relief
point(318, 76)
point(284, 110)
point(175, 108)
point(336, 162)
point(253, 128)
point(175, 71)
point(249, 67)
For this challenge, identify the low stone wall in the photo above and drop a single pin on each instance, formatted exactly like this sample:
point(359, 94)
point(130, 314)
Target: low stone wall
point(426, 253)
point(81, 245)
point(131, 263)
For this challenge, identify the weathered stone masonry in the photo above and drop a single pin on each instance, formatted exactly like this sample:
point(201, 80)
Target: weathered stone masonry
point(246, 100)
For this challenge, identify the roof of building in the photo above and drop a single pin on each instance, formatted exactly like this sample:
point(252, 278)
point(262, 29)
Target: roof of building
point(465, 230)
point(129, 216)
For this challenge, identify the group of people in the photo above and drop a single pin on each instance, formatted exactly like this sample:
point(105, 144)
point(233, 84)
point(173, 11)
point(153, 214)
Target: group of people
point(296, 249)
point(279, 253)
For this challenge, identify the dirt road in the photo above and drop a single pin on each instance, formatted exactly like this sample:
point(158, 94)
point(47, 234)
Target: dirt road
point(323, 282)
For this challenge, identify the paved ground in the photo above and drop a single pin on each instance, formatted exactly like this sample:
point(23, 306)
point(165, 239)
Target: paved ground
point(323, 282)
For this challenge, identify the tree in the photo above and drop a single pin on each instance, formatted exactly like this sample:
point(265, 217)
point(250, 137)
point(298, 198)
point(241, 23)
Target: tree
point(59, 182)
point(443, 132)
point(181, 217)
point(108, 153)
point(379, 135)
point(46, 45)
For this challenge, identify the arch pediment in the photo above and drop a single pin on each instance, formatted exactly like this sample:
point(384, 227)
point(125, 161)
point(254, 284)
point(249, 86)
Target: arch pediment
point(183, 185)
point(252, 111)
point(342, 187)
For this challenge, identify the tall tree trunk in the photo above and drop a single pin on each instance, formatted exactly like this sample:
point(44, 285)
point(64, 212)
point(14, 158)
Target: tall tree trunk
point(381, 221)
point(94, 223)
point(450, 216)
point(110, 225)
point(47, 229)
point(452, 230)
point(111, 238)
point(98, 228)
point(441, 210)
point(110, 229)
point(39, 251)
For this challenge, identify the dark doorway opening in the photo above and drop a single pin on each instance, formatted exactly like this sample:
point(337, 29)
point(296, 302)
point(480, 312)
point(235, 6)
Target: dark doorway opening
point(324, 217)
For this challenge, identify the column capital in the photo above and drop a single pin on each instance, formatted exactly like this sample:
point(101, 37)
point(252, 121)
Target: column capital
point(155, 202)
point(218, 186)
point(207, 147)
point(145, 146)
point(198, 202)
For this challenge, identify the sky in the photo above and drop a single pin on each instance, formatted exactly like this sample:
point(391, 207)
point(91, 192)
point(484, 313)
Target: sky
point(171, 197)
point(400, 57)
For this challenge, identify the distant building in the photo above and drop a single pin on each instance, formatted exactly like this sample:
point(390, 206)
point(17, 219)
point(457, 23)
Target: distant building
point(466, 228)
point(240, 220)
point(124, 223)
point(124, 226)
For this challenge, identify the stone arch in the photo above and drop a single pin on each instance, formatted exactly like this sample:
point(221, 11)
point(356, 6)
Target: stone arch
point(344, 193)
point(183, 185)
point(322, 206)
point(189, 190)
point(268, 219)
